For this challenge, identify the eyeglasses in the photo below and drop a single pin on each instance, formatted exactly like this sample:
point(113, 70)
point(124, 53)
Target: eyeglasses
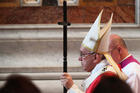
point(84, 55)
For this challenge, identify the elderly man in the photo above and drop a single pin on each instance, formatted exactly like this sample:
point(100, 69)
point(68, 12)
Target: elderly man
point(92, 49)
point(129, 65)
point(91, 62)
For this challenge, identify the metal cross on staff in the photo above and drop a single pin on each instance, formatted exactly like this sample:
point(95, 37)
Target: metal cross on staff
point(65, 24)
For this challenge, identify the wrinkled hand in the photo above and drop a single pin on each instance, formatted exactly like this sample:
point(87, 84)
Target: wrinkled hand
point(66, 80)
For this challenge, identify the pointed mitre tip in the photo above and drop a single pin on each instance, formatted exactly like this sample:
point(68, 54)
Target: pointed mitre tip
point(101, 12)
point(111, 17)
point(99, 16)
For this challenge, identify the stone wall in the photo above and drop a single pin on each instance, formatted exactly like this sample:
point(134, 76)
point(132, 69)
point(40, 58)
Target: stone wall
point(38, 52)
point(85, 12)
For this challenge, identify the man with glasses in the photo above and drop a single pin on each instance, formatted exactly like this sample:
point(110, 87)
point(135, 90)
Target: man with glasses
point(130, 66)
point(92, 58)
point(91, 62)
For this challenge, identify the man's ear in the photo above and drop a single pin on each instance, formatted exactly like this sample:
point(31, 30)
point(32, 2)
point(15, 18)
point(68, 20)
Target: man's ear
point(97, 59)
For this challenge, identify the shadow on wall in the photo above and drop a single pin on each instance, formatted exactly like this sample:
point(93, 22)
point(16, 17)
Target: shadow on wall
point(50, 3)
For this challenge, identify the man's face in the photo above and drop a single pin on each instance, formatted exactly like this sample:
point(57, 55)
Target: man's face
point(87, 59)
point(114, 51)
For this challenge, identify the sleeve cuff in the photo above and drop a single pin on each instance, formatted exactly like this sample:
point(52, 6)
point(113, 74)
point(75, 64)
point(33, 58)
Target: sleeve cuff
point(72, 88)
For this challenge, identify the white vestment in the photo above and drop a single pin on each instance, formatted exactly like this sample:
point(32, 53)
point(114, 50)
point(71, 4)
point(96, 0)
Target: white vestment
point(132, 70)
point(99, 69)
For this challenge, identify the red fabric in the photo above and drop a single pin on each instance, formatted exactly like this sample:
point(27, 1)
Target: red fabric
point(92, 86)
point(119, 66)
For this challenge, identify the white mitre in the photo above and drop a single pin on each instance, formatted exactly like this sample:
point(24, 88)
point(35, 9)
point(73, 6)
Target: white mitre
point(97, 40)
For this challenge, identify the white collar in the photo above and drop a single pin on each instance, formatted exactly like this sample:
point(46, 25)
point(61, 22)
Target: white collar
point(100, 65)
point(126, 57)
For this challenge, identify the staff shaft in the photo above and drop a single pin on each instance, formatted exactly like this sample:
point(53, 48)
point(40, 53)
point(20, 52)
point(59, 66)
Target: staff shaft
point(65, 39)
point(65, 36)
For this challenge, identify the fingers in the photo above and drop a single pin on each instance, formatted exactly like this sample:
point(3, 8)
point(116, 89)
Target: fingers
point(66, 80)
point(64, 76)
point(63, 81)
